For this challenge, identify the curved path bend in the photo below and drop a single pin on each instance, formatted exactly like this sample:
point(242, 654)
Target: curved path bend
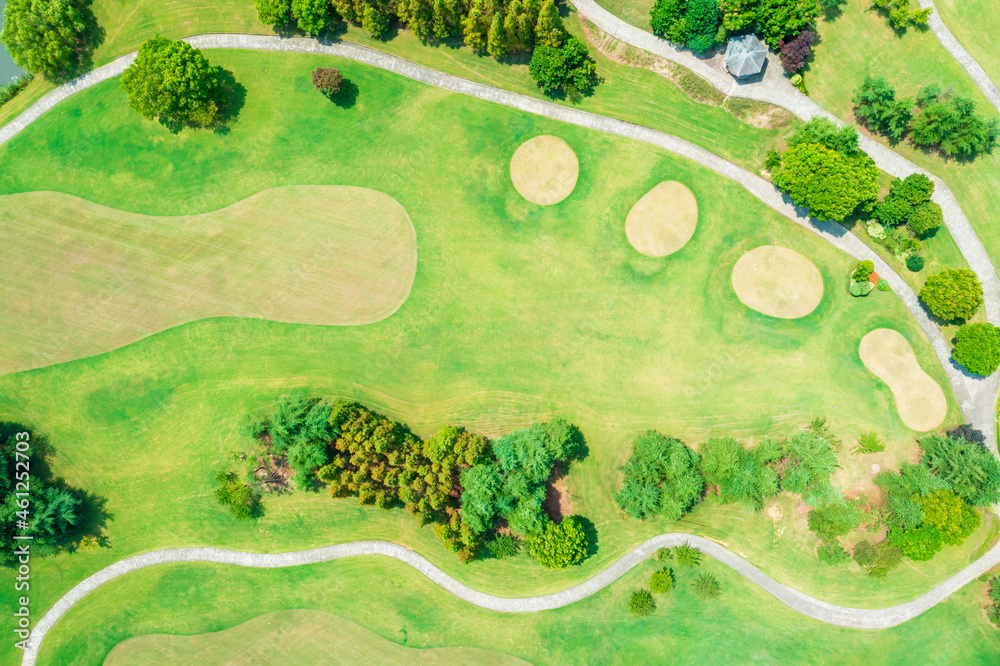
point(977, 398)
point(958, 52)
point(856, 618)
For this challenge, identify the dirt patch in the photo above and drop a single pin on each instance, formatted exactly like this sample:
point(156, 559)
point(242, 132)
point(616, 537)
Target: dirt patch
point(544, 170)
point(558, 503)
point(919, 399)
point(272, 472)
point(662, 221)
point(777, 282)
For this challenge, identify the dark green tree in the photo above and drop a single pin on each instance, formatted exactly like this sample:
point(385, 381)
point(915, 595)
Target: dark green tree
point(661, 477)
point(242, 499)
point(44, 36)
point(876, 107)
point(568, 68)
point(274, 12)
point(739, 474)
point(971, 471)
point(950, 122)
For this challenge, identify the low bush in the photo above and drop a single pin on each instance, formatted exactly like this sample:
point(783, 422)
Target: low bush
point(869, 442)
point(503, 546)
point(687, 555)
point(926, 218)
point(865, 553)
point(559, 546)
point(977, 347)
point(641, 603)
point(861, 288)
point(706, 586)
point(833, 553)
point(915, 263)
point(883, 285)
point(863, 270)
point(663, 555)
point(661, 581)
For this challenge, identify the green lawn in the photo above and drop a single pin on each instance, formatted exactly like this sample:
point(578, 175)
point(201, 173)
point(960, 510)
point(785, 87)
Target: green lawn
point(974, 24)
point(516, 313)
point(745, 625)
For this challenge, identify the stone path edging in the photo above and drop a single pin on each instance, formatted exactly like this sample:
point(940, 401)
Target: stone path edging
point(856, 618)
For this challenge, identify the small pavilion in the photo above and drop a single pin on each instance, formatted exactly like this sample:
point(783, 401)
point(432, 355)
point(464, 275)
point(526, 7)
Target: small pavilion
point(745, 56)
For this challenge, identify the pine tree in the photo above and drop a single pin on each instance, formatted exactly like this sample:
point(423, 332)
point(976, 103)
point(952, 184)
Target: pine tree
point(510, 27)
point(442, 27)
point(549, 30)
point(496, 42)
point(473, 27)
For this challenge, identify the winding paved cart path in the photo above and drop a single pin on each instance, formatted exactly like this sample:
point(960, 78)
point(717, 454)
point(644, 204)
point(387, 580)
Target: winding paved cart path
point(977, 397)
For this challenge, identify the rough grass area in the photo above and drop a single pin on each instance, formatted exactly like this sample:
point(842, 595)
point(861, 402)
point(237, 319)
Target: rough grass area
point(294, 637)
point(83, 279)
point(974, 24)
point(919, 399)
point(744, 624)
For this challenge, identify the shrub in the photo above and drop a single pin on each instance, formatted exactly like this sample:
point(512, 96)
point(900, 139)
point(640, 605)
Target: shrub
point(567, 68)
point(661, 581)
point(883, 285)
point(825, 132)
point(977, 347)
point(864, 269)
point(833, 554)
point(687, 555)
point(503, 545)
point(795, 51)
point(834, 518)
point(915, 263)
point(559, 546)
point(926, 218)
point(861, 288)
point(661, 477)
point(10, 91)
point(242, 499)
point(811, 460)
point(327, 80)
point(945, 511)
point(799, 82)
point(919, 544)
point(641, 603)
point(952, 294)
point(869, 442)
point(773, 160)
point(706, 586)
point(887, 558)
point(663, 555)
point(691, 23)
point(865, 553)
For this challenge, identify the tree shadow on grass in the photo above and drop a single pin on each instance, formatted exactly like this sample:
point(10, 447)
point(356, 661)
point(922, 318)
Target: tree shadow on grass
point(591, 531)
point(347, 96)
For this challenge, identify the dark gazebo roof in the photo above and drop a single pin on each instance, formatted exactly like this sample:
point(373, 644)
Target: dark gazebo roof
point(745, 56)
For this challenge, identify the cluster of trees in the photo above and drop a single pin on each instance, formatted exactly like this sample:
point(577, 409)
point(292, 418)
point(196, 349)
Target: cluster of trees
point(459, 481)
point(172, 81)
point(953, 294)
point(900, 15)
point(559, 64)
point(945, 120)
point(33, 503)
point(701, 24)
point(50, 37)
point(824, 170)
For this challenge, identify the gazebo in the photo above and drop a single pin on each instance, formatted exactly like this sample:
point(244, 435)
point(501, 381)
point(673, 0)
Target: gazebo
point(745, 56)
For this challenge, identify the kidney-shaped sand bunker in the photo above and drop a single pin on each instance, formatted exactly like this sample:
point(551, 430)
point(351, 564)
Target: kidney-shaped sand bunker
point(544, 170)
point(778, 282)
point(919, 399)
point(663, 220)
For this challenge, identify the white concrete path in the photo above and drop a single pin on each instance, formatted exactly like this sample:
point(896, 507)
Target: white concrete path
point(846, 617)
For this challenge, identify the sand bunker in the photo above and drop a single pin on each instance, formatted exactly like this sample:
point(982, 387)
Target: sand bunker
point(919, 399)
point(778, 282)
point(544, 170)
point(663, 221)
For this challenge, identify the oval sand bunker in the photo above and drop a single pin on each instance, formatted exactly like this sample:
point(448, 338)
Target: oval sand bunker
point(778, 282)
point(544, 170)
point(919, 399)
point(663, 221)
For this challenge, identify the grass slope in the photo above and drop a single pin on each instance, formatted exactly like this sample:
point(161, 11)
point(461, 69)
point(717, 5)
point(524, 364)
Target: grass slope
point(294, 636)
point(500, 328)
point(85, 279)
point(745, 625)
point(974, 24)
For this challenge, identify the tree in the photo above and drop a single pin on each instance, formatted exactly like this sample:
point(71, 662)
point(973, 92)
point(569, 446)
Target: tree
point(327, 80)
point(661, 581)
point(568, 68)
point(811, 461)
point(274, 12)
point(904, 196)
point(843, 140)
point(876, 107)
point(953, 294)
point(830, 185)
point(503, 545)
point(641, 603)
point(795, 51)
point(559, 546)
point(950, 122)
point(946, 512)
point(242, 499)
point(43, 36)
point(549, 30)
point(865, 553)
point(977, 347)
point(781, 19)
point(706, 586)
point(496, 42)
point(919, 544)
point(172, 80)
point(664, 18)
point(971, 471)
point(483, 498)
point(661, 477)
point(687, 555)
point(740, 475)
point(375, 20)
point(703, 19)
point(833, 554)
point(925, 219)
point(310, 14)
point(834, 518)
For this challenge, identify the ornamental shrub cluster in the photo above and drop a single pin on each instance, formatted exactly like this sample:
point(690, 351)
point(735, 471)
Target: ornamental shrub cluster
point(795, 51)
point(560, 63)
point(824, 170)
point(661, 478)
point(953, 294)
point(977, 347)
point(701, 24)
point(934, 119)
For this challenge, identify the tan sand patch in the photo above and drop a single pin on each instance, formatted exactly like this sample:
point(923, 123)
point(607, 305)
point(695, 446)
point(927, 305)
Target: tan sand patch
point(81, 279)
point(778, 282)
point(663, 220)
point(544, 170)
point(919, 399)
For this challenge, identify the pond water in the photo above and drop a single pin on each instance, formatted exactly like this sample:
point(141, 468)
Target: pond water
point(8, 70)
